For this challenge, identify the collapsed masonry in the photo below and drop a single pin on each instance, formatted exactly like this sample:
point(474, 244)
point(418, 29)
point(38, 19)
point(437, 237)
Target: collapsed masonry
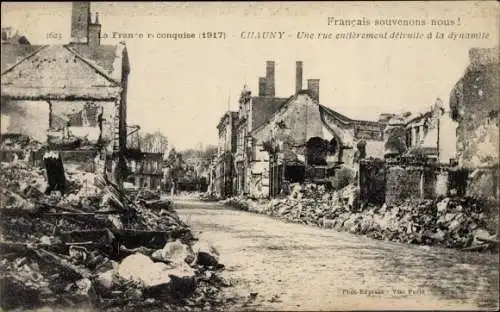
point(70, 234)
point(95, 246)
point(454, 222)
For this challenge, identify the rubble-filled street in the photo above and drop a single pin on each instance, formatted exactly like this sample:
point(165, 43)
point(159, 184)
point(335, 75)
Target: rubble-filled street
point(96, 247)
point(274, 265)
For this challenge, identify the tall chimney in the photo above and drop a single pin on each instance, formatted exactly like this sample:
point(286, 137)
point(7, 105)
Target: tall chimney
point(298, 76)
point(270, 88)
point(80, 20)
point(313, 87)
point(262, 86)
point(95, 32)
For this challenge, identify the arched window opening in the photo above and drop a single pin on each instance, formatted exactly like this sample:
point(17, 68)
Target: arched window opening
point(316, 151)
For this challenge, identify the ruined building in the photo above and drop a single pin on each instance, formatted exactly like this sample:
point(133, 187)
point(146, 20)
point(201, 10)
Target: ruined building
point(432, 134)
point(297, 139)
point(253, 112)
point(474, 102)
point(444, 152)
point(68, 96)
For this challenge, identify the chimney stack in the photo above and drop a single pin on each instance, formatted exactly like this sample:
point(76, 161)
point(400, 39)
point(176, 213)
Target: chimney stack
point(80, 20)
point(95, 32)
point(262, 86)
point(313, 87)
point(270, 88)
point(298, 76)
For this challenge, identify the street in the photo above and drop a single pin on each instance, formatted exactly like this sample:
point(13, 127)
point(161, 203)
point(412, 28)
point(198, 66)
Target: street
point(280, 266)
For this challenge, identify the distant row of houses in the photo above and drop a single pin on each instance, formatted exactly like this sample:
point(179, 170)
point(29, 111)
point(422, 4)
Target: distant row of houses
point(273, 141)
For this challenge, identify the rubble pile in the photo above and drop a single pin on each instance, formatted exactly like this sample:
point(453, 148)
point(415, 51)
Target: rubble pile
point(239, 203)
point(190, 196)
point(18, 142)
point(463, 223)
point(95, 246)
point(208, 197)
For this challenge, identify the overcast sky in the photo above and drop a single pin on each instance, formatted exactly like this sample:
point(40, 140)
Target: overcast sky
point(183, 87)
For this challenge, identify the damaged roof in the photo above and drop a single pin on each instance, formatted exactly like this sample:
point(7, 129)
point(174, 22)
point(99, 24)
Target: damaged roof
point(363, 129)
point(63, 71)
point(103, 56)
point(15, 53)
point(263, 107)
point(346, 120)
point(329, 117)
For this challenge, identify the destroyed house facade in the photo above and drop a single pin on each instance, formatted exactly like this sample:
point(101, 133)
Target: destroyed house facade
point(432, 134)
point(71, 97)
point(253, 112)
point(298, 140)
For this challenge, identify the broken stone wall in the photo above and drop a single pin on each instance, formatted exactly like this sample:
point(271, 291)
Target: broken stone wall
point(407, 182)
point(395, 190)
point(380, 182)
point(484, 182)
point(413, 184)
point(429, 181)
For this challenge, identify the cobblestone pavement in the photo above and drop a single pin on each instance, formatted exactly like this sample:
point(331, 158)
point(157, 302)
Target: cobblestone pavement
point(296, 267)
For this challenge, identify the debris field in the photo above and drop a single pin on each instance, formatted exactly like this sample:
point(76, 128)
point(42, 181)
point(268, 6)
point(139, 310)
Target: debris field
point(94, 245)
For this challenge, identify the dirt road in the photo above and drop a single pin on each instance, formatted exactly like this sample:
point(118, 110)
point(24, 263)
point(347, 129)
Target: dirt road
point(296, 267)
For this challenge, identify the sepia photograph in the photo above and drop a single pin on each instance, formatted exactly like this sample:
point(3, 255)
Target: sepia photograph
point(249, 156)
